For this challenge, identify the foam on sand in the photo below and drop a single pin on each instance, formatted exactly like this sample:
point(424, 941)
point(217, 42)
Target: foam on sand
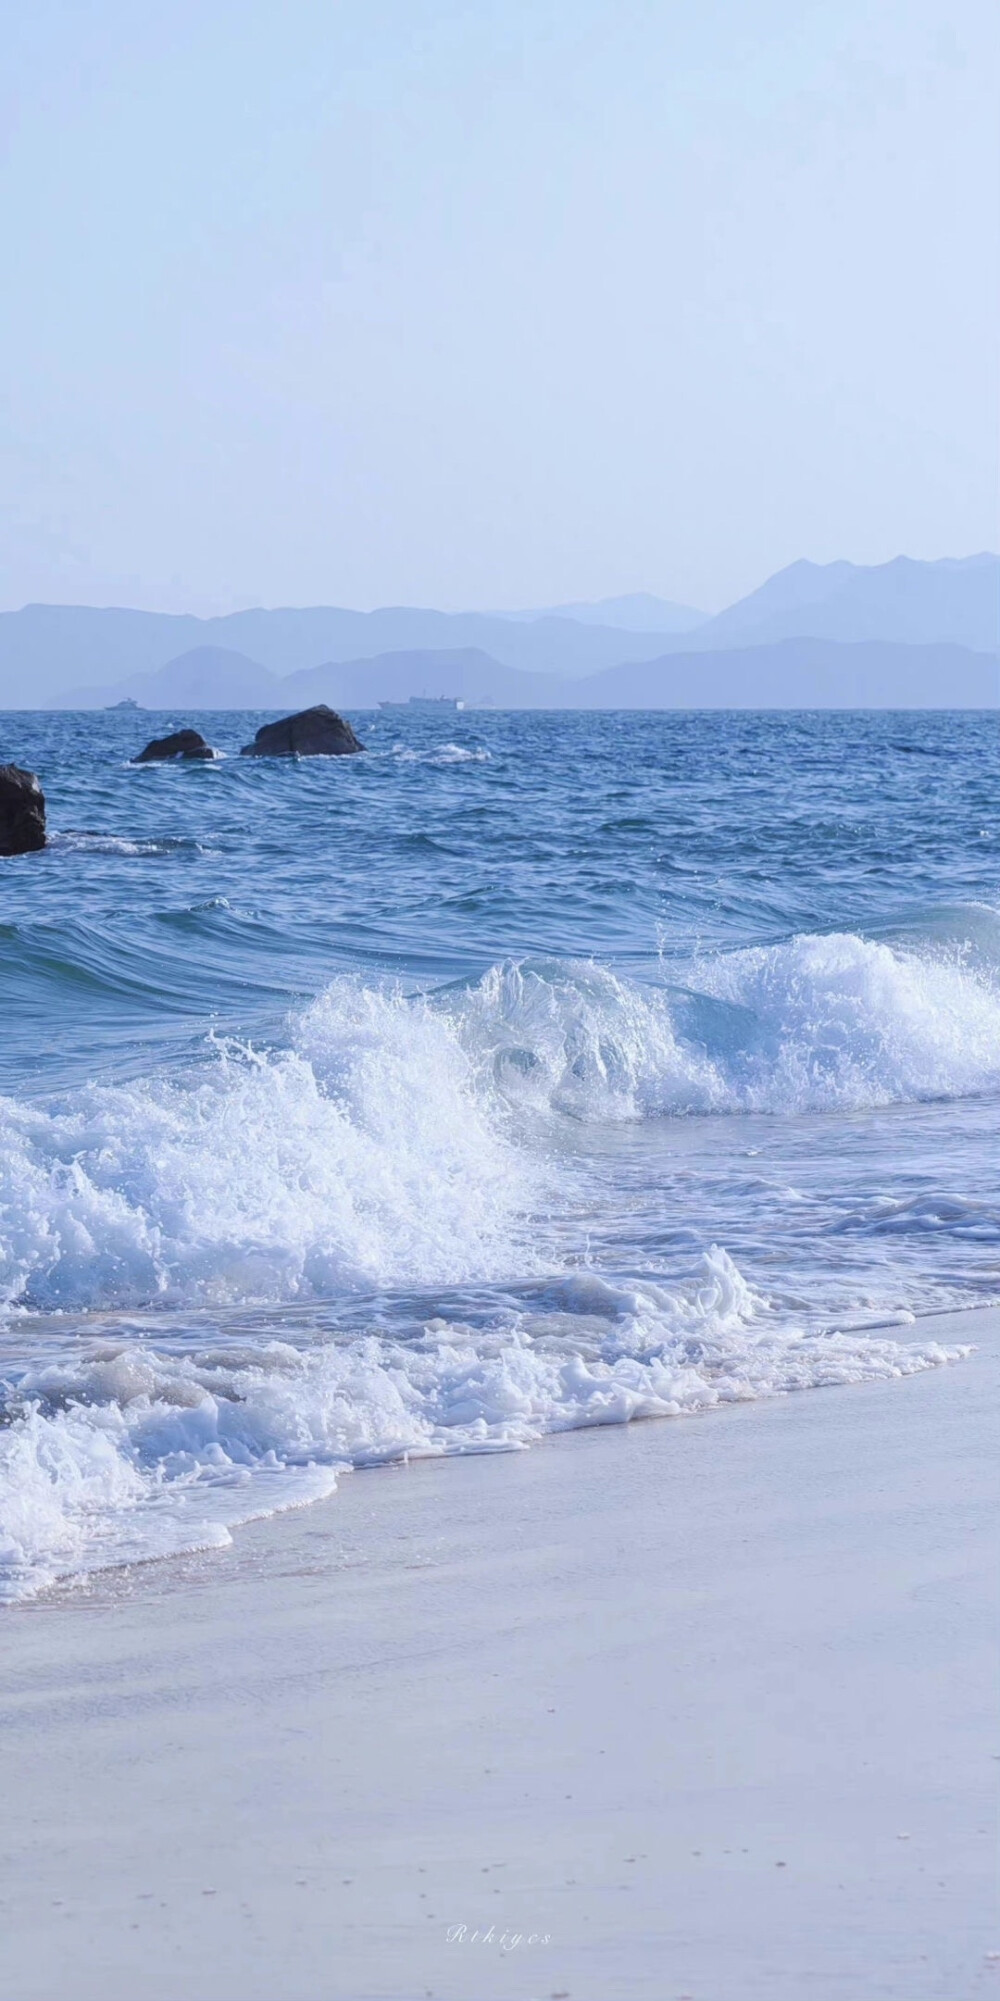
point(121, 1452)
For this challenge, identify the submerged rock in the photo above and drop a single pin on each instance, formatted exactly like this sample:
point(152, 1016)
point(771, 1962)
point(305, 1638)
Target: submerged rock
point(22, 811)
point(182, 743)
point(317, 732)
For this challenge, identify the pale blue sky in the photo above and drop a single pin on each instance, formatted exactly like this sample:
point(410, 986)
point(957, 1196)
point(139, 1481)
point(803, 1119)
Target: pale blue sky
point(471, 303)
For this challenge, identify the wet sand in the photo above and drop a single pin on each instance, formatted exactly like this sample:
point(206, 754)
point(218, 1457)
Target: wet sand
point(706, 1707)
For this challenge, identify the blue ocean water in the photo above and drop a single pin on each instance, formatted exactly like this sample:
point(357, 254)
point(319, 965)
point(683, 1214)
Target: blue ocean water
point(529, 1071)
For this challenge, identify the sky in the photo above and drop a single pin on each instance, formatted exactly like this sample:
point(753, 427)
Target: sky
point(492, 303)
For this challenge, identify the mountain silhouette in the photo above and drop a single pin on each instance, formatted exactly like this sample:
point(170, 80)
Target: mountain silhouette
point(903, 601)
point(793, 674)
point(61, 655)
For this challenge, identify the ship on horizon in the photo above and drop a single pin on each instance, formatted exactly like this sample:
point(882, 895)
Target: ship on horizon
point(441, 705)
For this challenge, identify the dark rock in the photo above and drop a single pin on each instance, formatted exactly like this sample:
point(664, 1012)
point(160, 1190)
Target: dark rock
point(317, 732)
point(22, 811)
point(183, 743)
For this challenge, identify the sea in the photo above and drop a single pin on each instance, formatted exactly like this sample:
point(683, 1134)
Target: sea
point(529, 1071)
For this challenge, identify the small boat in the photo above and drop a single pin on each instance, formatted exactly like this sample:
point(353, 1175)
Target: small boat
point(435, 705)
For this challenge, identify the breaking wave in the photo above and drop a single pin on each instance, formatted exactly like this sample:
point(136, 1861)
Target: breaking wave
point(387, 1144)
point(359, 1155)
point(818, 1024)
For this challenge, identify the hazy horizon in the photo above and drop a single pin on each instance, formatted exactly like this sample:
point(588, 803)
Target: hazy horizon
point(492, 306)
point(515, 611)
point(903, 634)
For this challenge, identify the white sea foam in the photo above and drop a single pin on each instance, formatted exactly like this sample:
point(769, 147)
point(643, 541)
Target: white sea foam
point(850, 1023)
point(122, 1452)
point(382, 1146)
point(817, 1024)
point(81, 840)
point(440, 753)
point(360, 1155)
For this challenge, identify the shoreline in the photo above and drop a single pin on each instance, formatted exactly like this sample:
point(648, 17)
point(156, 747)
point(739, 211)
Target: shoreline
point(709, 1705)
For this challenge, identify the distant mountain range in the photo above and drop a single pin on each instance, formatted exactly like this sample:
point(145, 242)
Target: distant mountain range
point(906, 632)
point(910, 603)
point(637, 613)
point(48, 652)
point(210, 677)
point(794, 673)
point(803, 674)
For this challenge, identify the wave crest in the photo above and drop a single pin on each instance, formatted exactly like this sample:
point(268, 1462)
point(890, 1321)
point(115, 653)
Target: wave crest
point(358, 1156)
point(817, 1024)
point(385, 1145)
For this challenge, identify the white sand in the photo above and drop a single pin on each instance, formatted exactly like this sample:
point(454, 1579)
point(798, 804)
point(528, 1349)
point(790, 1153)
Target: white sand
point(711, 1702)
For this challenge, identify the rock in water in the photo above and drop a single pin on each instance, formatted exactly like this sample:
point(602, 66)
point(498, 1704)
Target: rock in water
point(22, 811)
point(183, 743)
point(317, 732)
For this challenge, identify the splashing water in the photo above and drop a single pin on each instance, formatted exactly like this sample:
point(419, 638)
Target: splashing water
point(357, 1113)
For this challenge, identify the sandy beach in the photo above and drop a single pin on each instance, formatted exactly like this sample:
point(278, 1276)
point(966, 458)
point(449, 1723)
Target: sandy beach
point(500, 1003)
point(697, 1708)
